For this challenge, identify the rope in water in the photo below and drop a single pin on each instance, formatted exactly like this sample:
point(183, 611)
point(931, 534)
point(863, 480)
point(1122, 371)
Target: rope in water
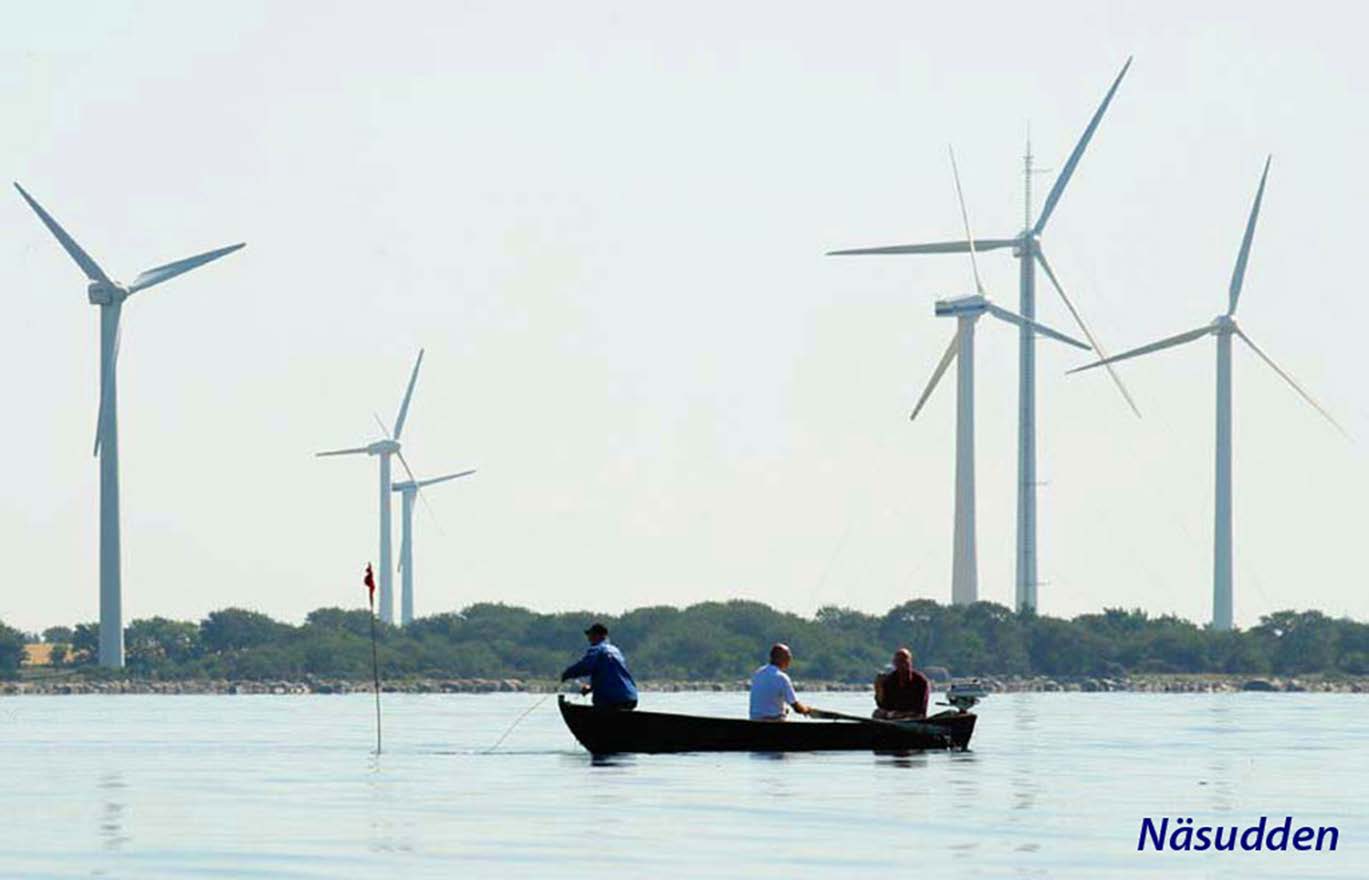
point(526, 712)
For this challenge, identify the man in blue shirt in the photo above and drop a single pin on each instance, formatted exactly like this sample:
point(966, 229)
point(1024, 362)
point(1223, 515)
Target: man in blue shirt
point(609, 679)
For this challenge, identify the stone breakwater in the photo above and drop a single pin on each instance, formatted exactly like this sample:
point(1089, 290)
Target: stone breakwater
point(1149, 683)
point(330, 686)
point(1179, 684)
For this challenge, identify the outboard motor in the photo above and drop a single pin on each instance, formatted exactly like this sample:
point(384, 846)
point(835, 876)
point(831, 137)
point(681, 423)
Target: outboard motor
point(964, 695)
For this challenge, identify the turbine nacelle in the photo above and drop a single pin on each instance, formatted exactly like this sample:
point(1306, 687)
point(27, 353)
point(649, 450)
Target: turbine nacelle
point(411, 486)
point(106, 293)
point(975, 304)
point(1225, 324)
point(383, 447)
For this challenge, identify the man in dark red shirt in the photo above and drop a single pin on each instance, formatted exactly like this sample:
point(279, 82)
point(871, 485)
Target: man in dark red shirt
point(902, 692)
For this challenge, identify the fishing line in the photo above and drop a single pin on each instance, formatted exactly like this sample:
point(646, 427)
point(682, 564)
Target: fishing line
point(519, 720)
point(858, 506)
point(836, 551)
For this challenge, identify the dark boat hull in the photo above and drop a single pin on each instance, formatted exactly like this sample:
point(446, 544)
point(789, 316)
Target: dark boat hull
point(604, 733)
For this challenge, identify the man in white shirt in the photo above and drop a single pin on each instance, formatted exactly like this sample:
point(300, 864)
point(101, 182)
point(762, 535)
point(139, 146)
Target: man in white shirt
point(772, 693)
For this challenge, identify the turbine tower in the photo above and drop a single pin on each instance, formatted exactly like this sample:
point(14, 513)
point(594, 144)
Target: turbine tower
point(408, 491)
point(1224, 327)
point(967, 310)
point(383, 448)
point(1027, 248)
point(109, 295)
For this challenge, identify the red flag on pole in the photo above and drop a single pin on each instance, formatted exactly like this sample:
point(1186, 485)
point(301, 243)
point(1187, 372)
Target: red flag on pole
point(370, 582)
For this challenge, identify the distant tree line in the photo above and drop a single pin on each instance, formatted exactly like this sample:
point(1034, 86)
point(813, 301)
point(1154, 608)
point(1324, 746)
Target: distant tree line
point(711, 641)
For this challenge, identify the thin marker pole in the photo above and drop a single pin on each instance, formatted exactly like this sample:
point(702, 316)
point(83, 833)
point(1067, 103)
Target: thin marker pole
point(375, 662)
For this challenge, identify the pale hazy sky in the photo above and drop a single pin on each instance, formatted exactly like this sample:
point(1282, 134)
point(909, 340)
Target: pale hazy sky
point(606, 225)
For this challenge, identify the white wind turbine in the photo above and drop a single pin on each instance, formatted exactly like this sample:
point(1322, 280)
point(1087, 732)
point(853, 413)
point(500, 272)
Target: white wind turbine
point(967, 310)
point(1026, 247)
point(1224, 327)
point(408, 492)
point(383, 448)
point(109, 295)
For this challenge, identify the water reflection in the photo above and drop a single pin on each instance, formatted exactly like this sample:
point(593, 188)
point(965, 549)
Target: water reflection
point(1023, 779)
point(1220, 788)
point(769, 756)
point(965, 788)
point(387, 834)
point(112, 809)
point(901, 759)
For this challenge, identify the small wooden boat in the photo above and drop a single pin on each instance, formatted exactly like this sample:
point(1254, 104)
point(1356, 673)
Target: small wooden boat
point(607, 732)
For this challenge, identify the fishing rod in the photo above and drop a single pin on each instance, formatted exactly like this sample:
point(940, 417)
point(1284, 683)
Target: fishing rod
point(921, 727)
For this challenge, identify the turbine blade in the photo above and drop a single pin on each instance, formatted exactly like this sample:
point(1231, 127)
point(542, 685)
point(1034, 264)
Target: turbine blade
point(432, 514)
point(101, 411)
point(1168, 342)
point(965, 218)
point(1014, 318)
point(429, 482)
point(407, 469)
point(1289, 379)
point(1088, 334)
point(937, 374)
point(379, 421)
point(168, 271)
point(352, 451)
point(1073, 161)
point(936, 247)
point(408, 393)
point(1238, 273)
point(89, 266)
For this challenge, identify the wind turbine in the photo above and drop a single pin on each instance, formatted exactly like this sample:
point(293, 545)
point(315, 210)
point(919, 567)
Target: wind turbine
point(967, 310)
point(1224, 327)
point(1026, 247)
point(408, 491)
point(109, 295)
point(383, 448)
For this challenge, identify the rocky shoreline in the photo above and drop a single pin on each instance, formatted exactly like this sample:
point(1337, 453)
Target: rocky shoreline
point(1142, 683)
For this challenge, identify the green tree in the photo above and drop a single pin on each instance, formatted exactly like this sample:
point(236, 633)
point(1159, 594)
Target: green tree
point(85, 643)
point(1057, 647)
point(356, 621)
point(234, 629)
point(727, 640)
point(11, 651)
point(152, 643)
point(916, 625)
point(1305, 641)
point(58, 635)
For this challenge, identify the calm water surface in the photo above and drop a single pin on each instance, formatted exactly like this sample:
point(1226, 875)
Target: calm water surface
point(1055, 786)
